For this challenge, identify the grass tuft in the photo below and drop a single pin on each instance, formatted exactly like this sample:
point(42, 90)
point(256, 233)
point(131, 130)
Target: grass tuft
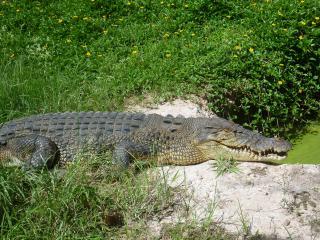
point(225, 165)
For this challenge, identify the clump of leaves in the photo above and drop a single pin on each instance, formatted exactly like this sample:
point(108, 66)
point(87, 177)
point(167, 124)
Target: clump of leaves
point(270, 77)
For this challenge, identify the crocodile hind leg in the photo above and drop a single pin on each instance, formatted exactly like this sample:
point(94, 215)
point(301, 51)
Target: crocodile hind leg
point(30, 151)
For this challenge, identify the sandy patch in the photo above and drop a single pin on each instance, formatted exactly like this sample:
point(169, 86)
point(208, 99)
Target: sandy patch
point(281, 202)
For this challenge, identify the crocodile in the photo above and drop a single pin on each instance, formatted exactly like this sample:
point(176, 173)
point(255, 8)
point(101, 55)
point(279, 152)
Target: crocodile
point(47, 140)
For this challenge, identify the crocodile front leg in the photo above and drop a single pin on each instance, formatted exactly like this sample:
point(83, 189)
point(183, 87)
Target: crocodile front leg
point(30, 151)
point(125, 151)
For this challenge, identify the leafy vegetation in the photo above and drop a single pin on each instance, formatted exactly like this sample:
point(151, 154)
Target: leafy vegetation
point(255, 62)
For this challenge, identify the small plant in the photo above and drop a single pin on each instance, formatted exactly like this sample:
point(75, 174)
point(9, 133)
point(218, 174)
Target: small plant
point(225, 165)
point(194, 230)
point(245, 224)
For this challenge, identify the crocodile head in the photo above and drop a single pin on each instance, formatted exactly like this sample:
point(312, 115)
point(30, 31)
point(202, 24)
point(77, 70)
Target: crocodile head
point(221, 138)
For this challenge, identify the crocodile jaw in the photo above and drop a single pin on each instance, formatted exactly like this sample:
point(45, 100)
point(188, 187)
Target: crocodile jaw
point(249, 155)
point(216, 150)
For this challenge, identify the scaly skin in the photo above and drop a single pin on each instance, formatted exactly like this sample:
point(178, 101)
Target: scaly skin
point(48, 139)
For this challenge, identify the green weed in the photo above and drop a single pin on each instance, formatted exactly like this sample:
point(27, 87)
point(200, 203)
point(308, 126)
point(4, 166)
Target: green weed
point(193, 230)
point(225, 165)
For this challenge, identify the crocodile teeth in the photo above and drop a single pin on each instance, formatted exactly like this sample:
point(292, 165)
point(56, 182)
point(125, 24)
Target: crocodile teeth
point(269, 154)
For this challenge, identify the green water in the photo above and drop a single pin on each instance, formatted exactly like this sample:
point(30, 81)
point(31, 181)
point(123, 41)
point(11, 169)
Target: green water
point(307, 148)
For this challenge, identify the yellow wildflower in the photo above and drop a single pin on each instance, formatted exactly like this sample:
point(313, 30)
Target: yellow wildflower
point(88, 54)
point(60, 20)
point(75, 17)
point(168, 55)
point(193, 34)
point(317, 18)
point(300, 37)
point(18, 10)
point(134, 52)
point(281, 65)
point(186, 5)
point(313, 23)
point(68, 41)
point(273, 24)
point(105, 31)
point(302, 1)
point(166, 35)
point(129, 3)
point(251, 50)
point(300, 90)
point(303, 23)
point(85, 18)
point(228, 16)
point(280, 82)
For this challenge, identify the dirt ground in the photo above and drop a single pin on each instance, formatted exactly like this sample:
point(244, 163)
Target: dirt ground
point(280, 202)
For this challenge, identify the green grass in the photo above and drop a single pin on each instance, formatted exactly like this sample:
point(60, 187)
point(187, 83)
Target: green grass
point(90, 199)
point(255, 62)
point(225, 165)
